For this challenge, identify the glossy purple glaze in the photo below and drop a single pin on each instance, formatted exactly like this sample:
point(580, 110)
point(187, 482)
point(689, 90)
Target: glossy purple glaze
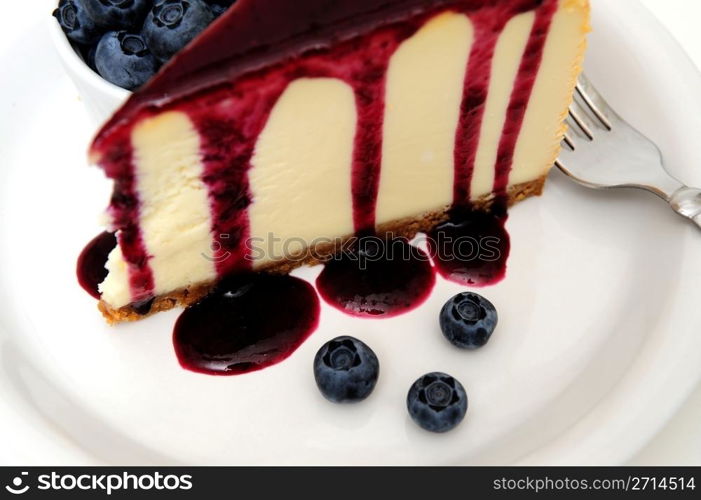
point(250, 322)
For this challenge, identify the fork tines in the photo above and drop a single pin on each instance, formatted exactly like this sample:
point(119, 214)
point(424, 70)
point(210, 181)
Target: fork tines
point(588, 113)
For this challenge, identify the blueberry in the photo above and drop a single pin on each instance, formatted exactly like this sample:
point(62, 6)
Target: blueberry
point(172, 24)
point(124, 59)
point(117, 14)
point(217, 9)
point(89, 56)
point(76, 22)
point(346, 370)
point(218, 6)
point(437, 402)
point(468, 320)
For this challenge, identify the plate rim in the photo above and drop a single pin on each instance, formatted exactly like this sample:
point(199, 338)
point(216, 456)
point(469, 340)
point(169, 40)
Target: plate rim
point(565, 449)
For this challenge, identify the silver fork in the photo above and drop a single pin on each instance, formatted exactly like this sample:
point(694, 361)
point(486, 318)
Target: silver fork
point(601, 151)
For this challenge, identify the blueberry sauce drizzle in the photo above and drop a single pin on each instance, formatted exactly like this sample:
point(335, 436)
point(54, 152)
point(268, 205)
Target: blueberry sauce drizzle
point(472, 247)
point(377, 278)
point(473, 104)
point(355, 291)
point(243, 113)
point(124, 209)
point(90, 268)
point(250, 322)
point(521, 94)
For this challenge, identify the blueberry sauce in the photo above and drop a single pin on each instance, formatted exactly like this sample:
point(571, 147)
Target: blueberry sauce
point(474, 101)
point(250, 322)
point(91, 262)
point(377, 278)
point(521, 94)
point(471, 247)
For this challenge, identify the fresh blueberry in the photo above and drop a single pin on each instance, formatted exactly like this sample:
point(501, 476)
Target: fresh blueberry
point(89, 56)
point(346, 370)
point(124, 59)
point(217, 9)
point(468, 320)
point(219, 6)
point(172, 24)
point(437, 402)
point(76, 22)
point(117, 14)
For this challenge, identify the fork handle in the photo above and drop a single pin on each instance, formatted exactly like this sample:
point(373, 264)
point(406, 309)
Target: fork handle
point(686, 202)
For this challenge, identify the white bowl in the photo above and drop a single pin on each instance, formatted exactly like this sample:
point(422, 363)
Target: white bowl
point(101, 98)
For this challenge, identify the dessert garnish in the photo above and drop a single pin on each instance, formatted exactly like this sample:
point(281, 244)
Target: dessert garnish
point(346, 370)
point(468, 320)
point(172, 24)
point(124, 59)
point(472, 247)
point(437, 402)
point(377, 277)
point(126, 41)
point(77, 24)
point(250, 322)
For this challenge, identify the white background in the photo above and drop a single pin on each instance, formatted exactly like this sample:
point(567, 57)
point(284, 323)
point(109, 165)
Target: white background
point(680, 442)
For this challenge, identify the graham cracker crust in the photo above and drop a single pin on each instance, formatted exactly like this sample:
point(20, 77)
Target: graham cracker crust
point(401, 228)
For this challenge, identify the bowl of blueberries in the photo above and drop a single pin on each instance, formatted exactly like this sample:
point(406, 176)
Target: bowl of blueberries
point(112, 47)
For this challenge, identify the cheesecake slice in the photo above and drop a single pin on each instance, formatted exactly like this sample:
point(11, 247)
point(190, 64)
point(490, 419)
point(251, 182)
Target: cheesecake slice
point(287, 127)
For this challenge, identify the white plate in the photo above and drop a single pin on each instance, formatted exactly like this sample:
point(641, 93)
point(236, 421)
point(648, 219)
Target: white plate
point(598, 342)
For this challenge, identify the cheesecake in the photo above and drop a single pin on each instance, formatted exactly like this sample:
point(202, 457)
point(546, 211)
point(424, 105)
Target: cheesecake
point(287, 128)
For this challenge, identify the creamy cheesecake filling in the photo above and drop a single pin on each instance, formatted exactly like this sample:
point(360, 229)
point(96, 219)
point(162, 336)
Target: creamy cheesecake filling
point(425, 84)
point(115, 289)
point(176, 222)
point(300, 171)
